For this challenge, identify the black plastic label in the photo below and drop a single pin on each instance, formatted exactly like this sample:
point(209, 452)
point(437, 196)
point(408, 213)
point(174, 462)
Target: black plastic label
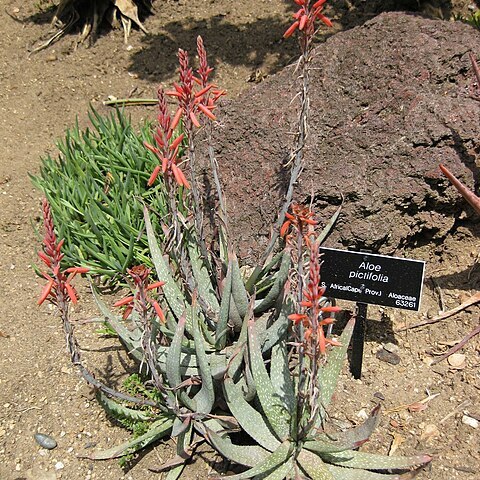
point(371, 278)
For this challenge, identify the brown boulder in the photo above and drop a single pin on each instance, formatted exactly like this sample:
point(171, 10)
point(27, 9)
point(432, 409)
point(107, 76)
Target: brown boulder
point(390, 101)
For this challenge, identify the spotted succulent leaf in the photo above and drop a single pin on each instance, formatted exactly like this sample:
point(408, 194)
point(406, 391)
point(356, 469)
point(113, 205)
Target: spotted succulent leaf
point(222, 325)
point(249, 418)
point(247, 455)
point(239, 293)
point(277, 288)
point(173, 295)
point(372, 461)
point(281, 378)
point(313, 466)
point(206, 290)
point(205, 398)
point(275, 460)
point(173, 372)
point(157, 430)
point(330, 372)
point(277, 415)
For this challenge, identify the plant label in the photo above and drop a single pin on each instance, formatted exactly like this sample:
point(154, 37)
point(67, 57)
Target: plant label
point(371, 278)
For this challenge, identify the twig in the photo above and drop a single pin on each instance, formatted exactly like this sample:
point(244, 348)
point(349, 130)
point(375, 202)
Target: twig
point(476, 70)
point(438, 291)
point(73, 349)
point(125, 102)
point(455, 410)
point(471, 301)
point(458, 346)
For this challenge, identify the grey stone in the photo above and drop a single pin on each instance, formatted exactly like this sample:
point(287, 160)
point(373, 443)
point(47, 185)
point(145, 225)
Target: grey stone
point(45, 441)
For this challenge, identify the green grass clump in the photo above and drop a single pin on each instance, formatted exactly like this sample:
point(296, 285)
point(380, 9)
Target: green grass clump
point(96, 188)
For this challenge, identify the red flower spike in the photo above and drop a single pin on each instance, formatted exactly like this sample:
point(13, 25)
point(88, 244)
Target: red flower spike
point(184, 180)
point(325, 20)
point(318, 4)
point(203, 91)
point(127, 312)
point(176, 119)
point(46, 260)
point(79, 270)
point(58, 287)
point(207, 112)
point(284, 229)
point(303, 21)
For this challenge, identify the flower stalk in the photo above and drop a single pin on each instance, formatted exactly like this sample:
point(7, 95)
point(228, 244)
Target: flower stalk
point(60, 292)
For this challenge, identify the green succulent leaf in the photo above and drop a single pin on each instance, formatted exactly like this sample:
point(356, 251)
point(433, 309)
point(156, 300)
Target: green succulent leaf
point(222, 325)
point(277, 415)
point(157, 430)
point(372, 461)
point(359, 435)
point(239, 293)
point(277, 288)
point(188, 362)
point(173, 365)
point(280, 473)
point(117, 410)
point(275, 332)
point(247, 455)
point(270, 464)
point(313, 466)
point(329, 373)
point(281, 377)
point(131, 339)
point(201, 274)
point(250, 419)
point(328, 227)
point(205, 398)
point(341, 473)
point(174, 296)
point(183, 454)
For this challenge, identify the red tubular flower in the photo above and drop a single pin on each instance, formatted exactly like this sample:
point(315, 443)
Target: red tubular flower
point(141, 301)
point(58, 289)
point(302, 220)
point(306, 17)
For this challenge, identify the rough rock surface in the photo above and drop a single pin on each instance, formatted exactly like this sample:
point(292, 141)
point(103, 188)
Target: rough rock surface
point(390, 100)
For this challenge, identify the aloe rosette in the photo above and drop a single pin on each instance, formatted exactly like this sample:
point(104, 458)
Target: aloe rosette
point(271, 422)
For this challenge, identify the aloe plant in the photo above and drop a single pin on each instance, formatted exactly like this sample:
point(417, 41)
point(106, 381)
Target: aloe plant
point(206, 338)
point(271, 422)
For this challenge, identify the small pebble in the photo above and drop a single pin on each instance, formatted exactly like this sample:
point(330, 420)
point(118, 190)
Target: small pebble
point(391, 347)
point(59, 465)
point(45, 441)
point(470, 421)
point(388, 357)
point(362, 414)
point(457, 360)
